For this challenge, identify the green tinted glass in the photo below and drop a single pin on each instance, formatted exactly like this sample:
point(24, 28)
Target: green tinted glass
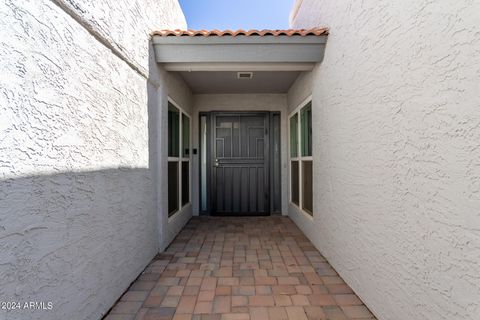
point(172, 187)
point(307, 187)
point(294, 136)
point(173, 131)
point(306, 130)
point(185, 136)
point(294, 182)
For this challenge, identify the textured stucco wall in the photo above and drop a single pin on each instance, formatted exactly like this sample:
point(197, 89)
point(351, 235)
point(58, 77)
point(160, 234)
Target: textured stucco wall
point(78, 211)
point(397, 158)
point(239, 102)
point(300, 90)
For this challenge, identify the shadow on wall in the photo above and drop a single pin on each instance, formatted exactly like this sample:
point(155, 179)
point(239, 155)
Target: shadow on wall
point(76, 239)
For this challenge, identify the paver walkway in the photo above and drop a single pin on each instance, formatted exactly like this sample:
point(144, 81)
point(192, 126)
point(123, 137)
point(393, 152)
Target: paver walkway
point(239, 268)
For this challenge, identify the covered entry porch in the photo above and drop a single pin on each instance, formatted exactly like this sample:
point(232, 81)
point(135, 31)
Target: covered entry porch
point(245, 135)
point(238, 130)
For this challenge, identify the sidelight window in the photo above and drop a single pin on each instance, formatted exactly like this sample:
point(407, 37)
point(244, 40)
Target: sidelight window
point(178, 159)
point(301, 160)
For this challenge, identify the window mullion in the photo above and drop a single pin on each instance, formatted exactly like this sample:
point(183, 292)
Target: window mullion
point(299, 150)
point(180, 144)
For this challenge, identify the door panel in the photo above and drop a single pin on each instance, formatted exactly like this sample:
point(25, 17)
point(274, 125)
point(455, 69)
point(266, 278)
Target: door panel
point(240, 179)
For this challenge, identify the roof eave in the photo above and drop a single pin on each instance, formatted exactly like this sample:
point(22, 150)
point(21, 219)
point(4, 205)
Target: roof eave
point(239, 49)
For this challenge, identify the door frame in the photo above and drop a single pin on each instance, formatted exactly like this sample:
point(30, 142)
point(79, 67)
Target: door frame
point(210, 117)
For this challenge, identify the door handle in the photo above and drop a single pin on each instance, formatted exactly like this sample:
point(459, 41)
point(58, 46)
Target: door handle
point(215, 164)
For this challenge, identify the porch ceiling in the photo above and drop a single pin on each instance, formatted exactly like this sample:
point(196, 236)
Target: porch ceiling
point(266, 50)
point(228, 82)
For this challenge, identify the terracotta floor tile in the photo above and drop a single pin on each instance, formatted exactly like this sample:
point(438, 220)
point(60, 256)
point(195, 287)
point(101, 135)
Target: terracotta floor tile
point(277, 313)
point(197, 273)
point(191, 290)
point(261, 301)
point(182, 316)
point(235, 316)
point(255, 268)
point(347, 300)
point(203, 307)
point(209, 283)
point(265, 281)
point(303, 289)
point(283, 289)
point(313, 278)
point(338, 288)
point(243, 290)
point(194, 281)
point(170, 301)
point(228, 281)
point(314, 313)
point(223, 291)
point(223, 272)
point(247, 281)
point(210, 316)
point(260, 273)
point(288, 280)
point(296, 313)
point(282, 300)
point(206, 295)
point(183, 273)
point(334, 313)
point(160, 313)
point(222, 304)
point(186, 304)
point(239, 301)
point(175, 291)
point(321, 300)
point(263, 290)
point(332, 280)
point(319, 289)
point(168, 281)
point(141, 314)
point(258, 313)
point(242, 309)
point(300, 300)
point(153, 301)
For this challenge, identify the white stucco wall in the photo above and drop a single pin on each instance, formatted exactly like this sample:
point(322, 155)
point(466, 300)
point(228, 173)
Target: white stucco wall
point(239, 102)
point(78, 206)
point(397, 158)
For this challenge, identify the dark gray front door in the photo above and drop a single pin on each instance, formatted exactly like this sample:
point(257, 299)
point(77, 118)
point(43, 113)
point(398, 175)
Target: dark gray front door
point(240, 173)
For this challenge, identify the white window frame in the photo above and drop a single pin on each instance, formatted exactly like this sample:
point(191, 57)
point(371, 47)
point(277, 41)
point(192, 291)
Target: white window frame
point(181, 159)
point(299, 158)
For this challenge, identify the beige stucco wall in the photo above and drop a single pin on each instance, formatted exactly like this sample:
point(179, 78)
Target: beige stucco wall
point(80, 149)
point(397, 160)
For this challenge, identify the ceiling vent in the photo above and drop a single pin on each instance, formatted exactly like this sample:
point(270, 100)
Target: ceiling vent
point(244, 75)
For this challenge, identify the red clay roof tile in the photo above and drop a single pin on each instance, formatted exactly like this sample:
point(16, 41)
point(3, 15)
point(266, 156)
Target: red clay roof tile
point(240, 32)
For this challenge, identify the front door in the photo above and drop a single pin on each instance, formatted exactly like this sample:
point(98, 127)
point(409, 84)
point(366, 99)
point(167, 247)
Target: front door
point(240, 173)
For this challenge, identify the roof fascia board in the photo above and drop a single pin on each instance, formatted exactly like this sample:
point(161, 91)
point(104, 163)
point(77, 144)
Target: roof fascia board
point(238, 40)
point(247, 53)
point(189, 67)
